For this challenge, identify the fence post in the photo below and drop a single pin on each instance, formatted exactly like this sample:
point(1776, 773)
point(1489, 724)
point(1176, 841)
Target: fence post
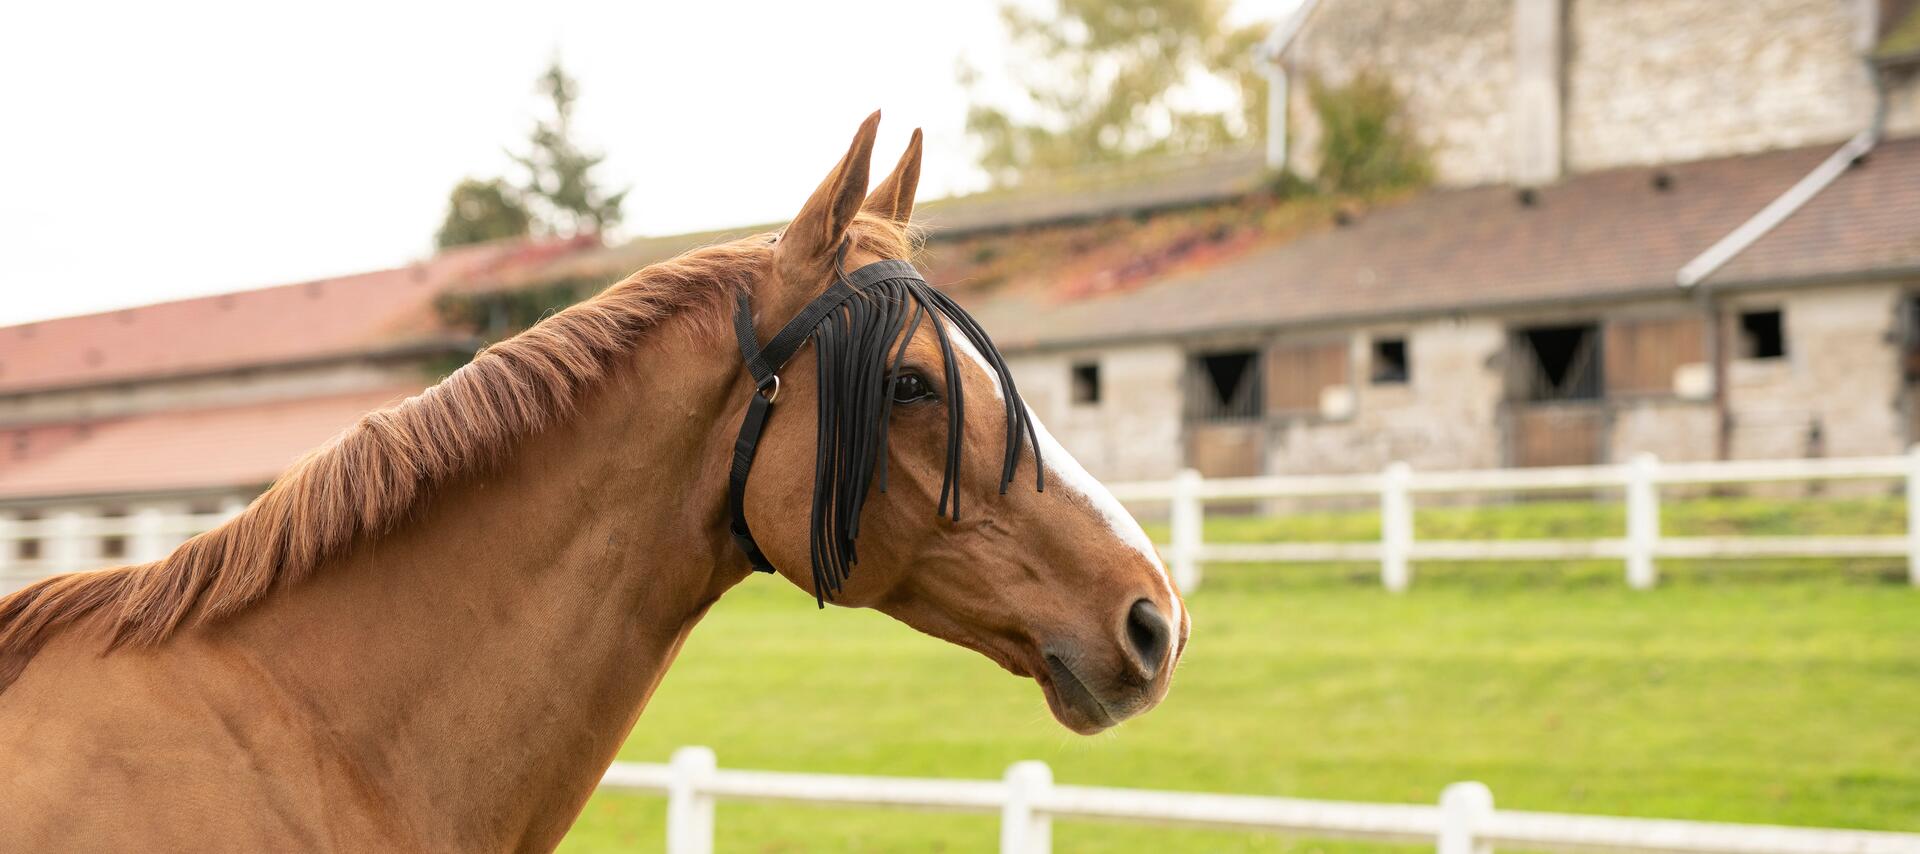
point(9, 549)
point(1188, 529)
point(1643, 520)
point(231, 506)
point(689, 810)
point(1913, 515)
point(66, 542)
point(1396, 527)
point(1464, 807)
point(149, 540)
point(1024, 829)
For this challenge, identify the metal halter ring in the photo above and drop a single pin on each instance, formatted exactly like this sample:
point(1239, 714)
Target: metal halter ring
point(771, 382)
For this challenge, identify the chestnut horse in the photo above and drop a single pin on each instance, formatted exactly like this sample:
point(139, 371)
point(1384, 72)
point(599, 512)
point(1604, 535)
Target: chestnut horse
point(434, 633)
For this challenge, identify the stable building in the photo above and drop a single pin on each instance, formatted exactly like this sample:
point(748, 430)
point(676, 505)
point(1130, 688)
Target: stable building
point(1479, 327)
point(126, 432)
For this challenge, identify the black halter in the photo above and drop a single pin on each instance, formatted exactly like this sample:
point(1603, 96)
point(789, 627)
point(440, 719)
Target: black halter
point(854, 325)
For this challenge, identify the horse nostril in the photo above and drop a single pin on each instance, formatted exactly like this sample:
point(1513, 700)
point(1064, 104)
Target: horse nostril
point(1148, 634)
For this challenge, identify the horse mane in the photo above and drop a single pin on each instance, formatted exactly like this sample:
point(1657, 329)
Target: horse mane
point(372, 476)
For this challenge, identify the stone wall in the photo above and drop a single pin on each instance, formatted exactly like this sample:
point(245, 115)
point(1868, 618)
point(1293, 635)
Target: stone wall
point(1838, 391)
point(1451, 60)
point(1445, 416)
point(1672, 429)
point(1654, 81)
point(1134, 431)
point(1643, 81)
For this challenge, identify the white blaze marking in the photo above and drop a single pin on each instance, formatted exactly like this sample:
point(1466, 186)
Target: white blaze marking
point(1064, 470)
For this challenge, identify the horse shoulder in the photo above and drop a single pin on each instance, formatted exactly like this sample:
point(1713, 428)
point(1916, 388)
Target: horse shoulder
point(175, 748)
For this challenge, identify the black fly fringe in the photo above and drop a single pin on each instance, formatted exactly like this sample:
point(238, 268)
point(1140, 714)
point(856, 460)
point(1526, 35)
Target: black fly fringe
point(858, 362)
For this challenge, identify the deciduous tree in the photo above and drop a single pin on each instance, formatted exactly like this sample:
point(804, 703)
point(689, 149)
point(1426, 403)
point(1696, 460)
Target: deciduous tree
point(1104, 80)
point(479, 211)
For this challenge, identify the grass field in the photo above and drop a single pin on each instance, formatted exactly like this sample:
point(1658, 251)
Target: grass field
point(1781, 692)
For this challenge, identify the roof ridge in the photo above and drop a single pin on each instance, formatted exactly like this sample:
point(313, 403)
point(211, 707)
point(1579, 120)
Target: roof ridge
point(501, 249)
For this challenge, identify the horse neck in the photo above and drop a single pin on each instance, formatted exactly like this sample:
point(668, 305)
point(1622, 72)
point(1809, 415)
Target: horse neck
point(490, 657)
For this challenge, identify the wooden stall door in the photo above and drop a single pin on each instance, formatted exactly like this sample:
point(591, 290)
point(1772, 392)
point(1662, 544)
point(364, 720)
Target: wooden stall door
point(1558, 434)
point(1227, 449)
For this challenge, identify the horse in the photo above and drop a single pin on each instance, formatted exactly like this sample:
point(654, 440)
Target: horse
point(433, 633)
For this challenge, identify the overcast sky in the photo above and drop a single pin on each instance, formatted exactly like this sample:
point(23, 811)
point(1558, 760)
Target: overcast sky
point(152, 151)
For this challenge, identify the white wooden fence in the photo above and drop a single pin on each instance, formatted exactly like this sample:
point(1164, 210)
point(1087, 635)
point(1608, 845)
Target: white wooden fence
point(79, 537)
point(1027, 800)
point(68, 539)
point(1640, 481)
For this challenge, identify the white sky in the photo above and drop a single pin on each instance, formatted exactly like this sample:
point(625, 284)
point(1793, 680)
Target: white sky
point(152, 151)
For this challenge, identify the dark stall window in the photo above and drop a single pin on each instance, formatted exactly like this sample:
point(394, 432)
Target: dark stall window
point(1763, 335)
point(1223, 385)
point(1390, 361)
point(1086, 383)
point(1559, 362)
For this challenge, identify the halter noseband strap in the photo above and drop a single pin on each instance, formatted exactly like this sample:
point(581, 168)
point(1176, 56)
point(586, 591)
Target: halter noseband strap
point(764, 365)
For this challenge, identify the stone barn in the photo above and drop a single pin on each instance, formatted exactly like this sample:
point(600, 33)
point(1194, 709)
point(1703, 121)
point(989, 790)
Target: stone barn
point(1478, 327)
point(1679, 226)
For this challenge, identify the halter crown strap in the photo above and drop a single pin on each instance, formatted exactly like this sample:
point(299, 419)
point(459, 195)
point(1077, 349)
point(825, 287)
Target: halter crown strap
point(764, 364)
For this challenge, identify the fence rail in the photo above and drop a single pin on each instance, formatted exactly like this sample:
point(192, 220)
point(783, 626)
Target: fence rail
point(76, 538)
point(81, 537)
point(1027, 800)
point(1639, 482)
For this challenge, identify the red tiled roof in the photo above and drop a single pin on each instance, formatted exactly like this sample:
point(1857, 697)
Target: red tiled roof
point(1606, 234)
point(25, 443)
point(317, 319)
point(179, 450)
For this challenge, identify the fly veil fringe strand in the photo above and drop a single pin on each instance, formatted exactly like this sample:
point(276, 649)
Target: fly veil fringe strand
point(858, 359)
point(854, 327)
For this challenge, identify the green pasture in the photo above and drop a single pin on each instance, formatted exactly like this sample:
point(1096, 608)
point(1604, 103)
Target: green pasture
point(1783, 692)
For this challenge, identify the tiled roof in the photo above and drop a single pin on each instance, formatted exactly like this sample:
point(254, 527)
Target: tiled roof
point(317, 319)
point(179, 450)
point(1114, 190)
point(608, 264)
point(1868, 220)
point(1599, 235)
point(1613, 233)
point(1108, 191)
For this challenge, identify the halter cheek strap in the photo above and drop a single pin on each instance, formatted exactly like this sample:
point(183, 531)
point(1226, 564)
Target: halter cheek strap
point(764, 365)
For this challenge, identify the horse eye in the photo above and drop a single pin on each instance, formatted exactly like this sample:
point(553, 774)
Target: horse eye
point(910, 388)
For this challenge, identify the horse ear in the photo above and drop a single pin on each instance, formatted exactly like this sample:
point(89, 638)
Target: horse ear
point(814, 235)
point(893, 199)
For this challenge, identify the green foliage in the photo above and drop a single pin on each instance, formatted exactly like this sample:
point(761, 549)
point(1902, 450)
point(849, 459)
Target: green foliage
point(492, 315)
point(479, 211)
point(1761, 697)
point(1365, 144)
point(1903, 40)
point(1287, 184)
point(495, 314)
point(1104, 80)
point(557, 192)
point(559, 183)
